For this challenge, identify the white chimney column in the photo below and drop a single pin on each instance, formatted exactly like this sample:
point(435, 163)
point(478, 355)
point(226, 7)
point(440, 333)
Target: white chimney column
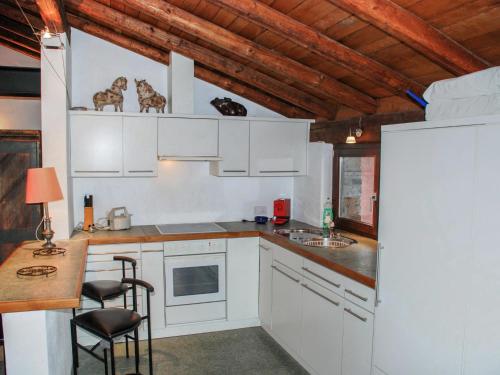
point(181, 84)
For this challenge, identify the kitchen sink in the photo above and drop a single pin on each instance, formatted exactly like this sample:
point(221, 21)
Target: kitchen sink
point(314, 238)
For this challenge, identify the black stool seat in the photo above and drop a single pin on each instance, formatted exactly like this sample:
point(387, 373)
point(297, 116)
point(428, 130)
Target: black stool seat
point(101, 290)
point(110, 322)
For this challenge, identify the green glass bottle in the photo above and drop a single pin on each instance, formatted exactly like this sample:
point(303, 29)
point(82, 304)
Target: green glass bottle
point(327, 217)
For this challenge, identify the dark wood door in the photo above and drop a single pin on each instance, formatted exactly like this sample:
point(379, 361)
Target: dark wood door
point(19, 150)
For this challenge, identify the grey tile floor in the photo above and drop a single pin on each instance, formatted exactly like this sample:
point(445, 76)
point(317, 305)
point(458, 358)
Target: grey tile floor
point(244, 351)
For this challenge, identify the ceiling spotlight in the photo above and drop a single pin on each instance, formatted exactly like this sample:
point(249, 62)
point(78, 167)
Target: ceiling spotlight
point(46, 34)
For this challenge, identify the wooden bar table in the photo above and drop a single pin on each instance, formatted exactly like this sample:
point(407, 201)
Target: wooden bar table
point(35, 310)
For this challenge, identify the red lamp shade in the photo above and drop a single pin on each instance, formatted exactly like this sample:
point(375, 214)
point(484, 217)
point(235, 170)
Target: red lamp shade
point(42, 186)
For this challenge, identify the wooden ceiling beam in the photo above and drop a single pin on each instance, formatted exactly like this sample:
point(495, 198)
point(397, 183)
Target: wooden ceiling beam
point(19, 40)
point(311, 39)
point(234, 43)
point(15, 14)
point(160, 38)
point(414, 31)
point(18, 48)
point(17, 28)
point(200, 72)
point(53, 14)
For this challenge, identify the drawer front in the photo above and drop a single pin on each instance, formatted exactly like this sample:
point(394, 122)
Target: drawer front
point(109, 271)
point(88, 304)
point(359, 294)
point(99, 253)
point(174, 248)
point(288, 258)
point(151, 246)
point(328, 279)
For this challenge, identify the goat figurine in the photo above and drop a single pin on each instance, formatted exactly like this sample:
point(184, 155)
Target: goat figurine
point(112, 96)
point(149, 98)
point(227, 107)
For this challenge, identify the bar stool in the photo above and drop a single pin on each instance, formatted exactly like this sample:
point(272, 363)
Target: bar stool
point(104, 290)
point(111, 323)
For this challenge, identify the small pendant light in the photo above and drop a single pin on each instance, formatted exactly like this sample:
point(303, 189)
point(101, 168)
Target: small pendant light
point(350, 138)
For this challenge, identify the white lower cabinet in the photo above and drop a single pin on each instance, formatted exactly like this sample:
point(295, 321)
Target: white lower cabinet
point(152, 269)
point(321, 328)
point(286, 309)
point(265, 284)
point(242, 278)
point(312, 314)
point(357, 340)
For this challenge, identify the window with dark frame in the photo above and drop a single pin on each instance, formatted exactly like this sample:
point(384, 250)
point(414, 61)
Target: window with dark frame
point(356, 173)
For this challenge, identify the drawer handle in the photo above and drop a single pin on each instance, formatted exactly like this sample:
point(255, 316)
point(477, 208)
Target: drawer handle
point(320, 295)
point(79, 171)
point(233, 170)
point(356, 295)
point(354, 314)
point(152, 251)
point(284, 273)
point(109, 270)
point(139, 171)
point(294, 171)
point(321, 277)
point(264, 248)
point(116, 253)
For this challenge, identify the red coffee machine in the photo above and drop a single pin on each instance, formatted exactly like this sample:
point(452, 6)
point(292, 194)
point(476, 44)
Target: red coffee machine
point(281, 211)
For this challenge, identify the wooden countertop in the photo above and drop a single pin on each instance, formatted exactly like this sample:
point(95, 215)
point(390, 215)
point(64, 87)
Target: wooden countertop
point(61, 291)
point(357, 262)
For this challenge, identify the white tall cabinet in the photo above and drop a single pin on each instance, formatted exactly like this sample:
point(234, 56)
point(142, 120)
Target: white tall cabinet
point(438, 285)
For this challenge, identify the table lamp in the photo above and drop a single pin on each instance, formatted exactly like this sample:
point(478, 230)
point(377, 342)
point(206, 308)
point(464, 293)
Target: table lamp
point(42, 187)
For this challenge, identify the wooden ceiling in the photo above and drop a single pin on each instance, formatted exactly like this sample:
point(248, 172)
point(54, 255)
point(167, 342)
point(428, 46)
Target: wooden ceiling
point(327, 59)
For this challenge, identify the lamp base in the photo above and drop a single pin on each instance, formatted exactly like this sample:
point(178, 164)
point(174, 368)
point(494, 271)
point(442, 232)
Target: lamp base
point(48, 234)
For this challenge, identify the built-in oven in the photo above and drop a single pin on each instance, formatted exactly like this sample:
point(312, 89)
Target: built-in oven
point(192, 279)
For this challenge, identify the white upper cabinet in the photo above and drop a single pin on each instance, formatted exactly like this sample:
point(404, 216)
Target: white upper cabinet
point(234, 143)
point(139, 146)
point(278, 148)
point(96, 146)
point(181, 138)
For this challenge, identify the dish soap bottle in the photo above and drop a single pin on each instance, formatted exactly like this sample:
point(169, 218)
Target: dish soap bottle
point(327, 218)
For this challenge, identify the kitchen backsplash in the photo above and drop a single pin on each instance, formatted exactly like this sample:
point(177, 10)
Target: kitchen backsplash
point(182, 192)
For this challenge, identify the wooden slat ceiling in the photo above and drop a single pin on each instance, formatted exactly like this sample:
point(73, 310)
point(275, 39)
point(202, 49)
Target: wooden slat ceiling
point(473, 24)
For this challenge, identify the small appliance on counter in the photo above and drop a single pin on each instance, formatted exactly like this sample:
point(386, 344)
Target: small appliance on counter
point(281, 211)
point(119, 218)
point(260, 214)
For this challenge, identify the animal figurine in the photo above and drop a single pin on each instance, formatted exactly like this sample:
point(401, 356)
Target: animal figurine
point(227, 107)
point(112, 96)
point(149, 98)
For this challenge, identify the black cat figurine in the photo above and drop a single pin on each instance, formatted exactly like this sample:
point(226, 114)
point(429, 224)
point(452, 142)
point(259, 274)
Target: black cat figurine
point(229, 108)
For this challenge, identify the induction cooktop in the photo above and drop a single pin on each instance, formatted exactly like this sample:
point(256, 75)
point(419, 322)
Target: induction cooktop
point(189, 228)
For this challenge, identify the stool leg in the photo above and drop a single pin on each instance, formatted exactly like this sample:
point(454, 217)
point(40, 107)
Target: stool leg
point(105, 362)
point(126, 347)
point(74, 347)
point(150, 348)
point(112, 354)
point(136, 347)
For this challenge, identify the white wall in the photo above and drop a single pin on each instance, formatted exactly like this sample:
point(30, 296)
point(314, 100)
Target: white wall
point(183, 192)
point(18, 113)
point(97, 63)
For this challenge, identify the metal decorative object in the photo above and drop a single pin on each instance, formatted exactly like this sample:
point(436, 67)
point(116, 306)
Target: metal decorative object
point(227, 107)
point(49, 251)
point(36, 272)
point(148, 97)
point(112, 96)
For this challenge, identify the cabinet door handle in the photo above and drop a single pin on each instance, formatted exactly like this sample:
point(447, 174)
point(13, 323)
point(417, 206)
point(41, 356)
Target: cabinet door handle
point(139, 171)
point(291, 171)
point(320, 295)
point(80, 171)
point(284, 273)
point(152, 251)
point(114, 253)
point(264, 247)
point(377, 275)
point(233, 170)
point(356, 295)
point(321, 277)
point(109, 270)
point(354, 314)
